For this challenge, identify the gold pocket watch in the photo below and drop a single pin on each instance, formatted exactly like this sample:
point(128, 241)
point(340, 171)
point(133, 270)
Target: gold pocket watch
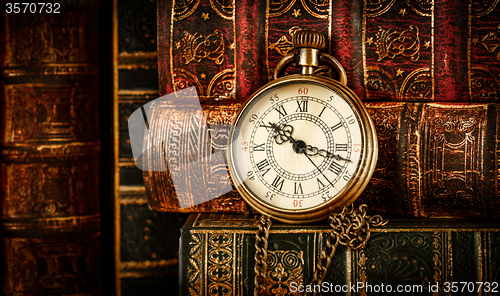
point(302, 146)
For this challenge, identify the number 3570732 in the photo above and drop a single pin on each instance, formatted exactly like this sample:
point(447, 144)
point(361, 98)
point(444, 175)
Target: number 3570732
point(32, 8)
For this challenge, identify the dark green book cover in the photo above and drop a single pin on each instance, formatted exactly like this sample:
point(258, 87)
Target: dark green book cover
point(410, 257)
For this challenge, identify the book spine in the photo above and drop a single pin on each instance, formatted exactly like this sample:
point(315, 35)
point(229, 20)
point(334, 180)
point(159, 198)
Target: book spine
point(49, 184)
point(483, 51)
point(346, 44)
point(450, 47)
point(145, 242)
point(194, 149)
point(435, 160)
point(398, 51)
point(218, 254)
point(250, 56)
point(392, 51)
point(196, 47)
point(439, 51)
point(164, 18)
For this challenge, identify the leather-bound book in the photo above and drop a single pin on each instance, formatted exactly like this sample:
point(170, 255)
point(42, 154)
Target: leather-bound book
point(391, 50)
point(49, 179)
point(406, 257)
point(435, 160)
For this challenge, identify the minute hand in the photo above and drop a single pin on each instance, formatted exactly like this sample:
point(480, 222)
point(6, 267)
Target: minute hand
point(312, 151)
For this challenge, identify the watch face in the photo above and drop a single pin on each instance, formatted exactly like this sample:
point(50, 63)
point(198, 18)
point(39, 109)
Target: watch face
point(298, 146)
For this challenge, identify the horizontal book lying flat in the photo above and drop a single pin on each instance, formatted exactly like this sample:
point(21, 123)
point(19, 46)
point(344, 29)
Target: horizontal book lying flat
point(435, 160)
point(417, 256)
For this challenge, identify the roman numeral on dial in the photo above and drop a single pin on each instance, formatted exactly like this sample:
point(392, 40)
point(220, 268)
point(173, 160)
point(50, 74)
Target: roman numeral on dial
point(278, 182)
point(340, 147)
point(263, 167)
point(302, 106)
point(281, 111)
point(337, 126)
point(258, 147)
point(297, 188)
point(320, 184)
point(265, 126)
point(335, 168)
point(321, 111)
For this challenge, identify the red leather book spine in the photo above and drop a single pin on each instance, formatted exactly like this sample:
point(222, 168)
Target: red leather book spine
point(397, 51)
point(250, 43)
point(483, 51)
point(165, 17)
point(196, 47)
point(450, 51)
point(346, 42)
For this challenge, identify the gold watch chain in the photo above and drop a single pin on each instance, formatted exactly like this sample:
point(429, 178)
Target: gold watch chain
point(351, 228)
point(260, 267)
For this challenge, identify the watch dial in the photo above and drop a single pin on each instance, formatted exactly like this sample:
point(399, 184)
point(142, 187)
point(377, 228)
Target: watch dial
point(300, 144)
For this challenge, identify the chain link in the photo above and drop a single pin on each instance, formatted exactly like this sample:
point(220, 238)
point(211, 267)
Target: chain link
point(350, 228)
point(261, 255)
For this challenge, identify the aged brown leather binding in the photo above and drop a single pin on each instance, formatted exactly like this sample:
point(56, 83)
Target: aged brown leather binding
point(441, 51)
point(435, 160)
point(49, 180)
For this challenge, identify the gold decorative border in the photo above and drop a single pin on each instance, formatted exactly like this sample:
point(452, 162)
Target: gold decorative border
point(176, 16)
point(62, 224)
point(124, 265)
point(215, 261)
point(280, 12)
point(269, 46)
point(438, 254)
point(116, 179)
point(471, 40)
point(138, 55)
point(317, 15)
point(484, 249)
point(138, 60)
point(138, 201)
point(221, 14)
point(487, 11)
point(53, 69)
point(381, 8)
point(138, 66)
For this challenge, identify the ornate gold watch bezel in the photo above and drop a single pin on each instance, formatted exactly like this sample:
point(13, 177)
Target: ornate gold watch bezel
point(353, 189)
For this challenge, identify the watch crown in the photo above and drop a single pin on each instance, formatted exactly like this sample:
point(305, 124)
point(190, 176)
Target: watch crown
point(308, 38)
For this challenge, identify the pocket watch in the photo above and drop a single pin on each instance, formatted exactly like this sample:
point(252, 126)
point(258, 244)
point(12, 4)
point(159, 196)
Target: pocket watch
point(302, 146)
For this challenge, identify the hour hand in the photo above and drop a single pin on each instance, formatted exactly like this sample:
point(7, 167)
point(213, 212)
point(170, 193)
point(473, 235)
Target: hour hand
point(283, 134)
